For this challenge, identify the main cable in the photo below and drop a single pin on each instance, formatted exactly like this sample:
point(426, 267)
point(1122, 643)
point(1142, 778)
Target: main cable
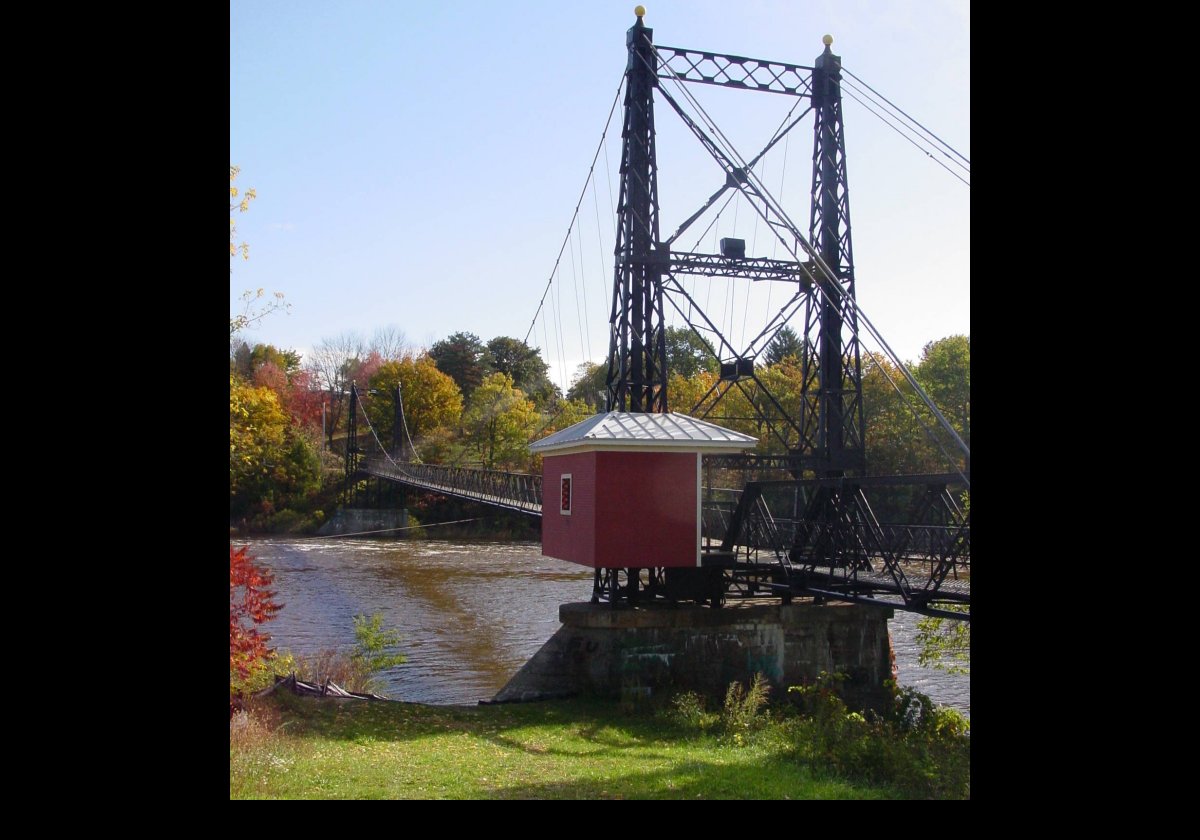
point(889, 102)
point(575, 215)
point(929, 154)
point(729, 156)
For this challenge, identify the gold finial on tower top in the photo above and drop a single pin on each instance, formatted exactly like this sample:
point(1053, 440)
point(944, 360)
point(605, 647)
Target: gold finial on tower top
point(827, 40)
point(640, 11)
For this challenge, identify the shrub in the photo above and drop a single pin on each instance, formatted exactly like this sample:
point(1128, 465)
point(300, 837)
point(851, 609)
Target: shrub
point(688, 710)
point(263, 673)
point(373, 644)
point(921, 749)
point(251, 603)
point(742, 712)
point(357, 670)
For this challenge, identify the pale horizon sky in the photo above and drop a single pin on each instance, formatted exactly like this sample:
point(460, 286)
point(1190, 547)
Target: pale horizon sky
point(417, 165)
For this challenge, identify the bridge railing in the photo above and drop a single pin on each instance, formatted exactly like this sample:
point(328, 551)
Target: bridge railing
point(520, 491)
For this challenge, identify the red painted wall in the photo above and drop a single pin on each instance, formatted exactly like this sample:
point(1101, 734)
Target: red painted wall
point(628, 509)
point(645, 509)
point(573, 537)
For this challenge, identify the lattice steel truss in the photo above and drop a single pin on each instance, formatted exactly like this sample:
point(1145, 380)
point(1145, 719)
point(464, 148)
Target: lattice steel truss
point(831, 524)
point(637, 354)
point(823, 433)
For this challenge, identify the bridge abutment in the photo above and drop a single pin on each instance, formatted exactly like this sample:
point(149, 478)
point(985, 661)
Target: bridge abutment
point(358, 520)
point(659, 650)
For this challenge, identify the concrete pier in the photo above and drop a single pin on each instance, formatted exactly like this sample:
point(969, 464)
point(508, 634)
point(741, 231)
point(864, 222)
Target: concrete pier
point(358, 520)
point(663, 649)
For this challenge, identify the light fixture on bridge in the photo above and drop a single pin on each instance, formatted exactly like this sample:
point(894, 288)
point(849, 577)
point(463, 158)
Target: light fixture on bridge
point(733, 248)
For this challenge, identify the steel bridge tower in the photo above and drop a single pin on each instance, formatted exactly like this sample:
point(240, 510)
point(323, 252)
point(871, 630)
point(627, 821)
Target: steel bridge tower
point(637, 354)
point(826, 434)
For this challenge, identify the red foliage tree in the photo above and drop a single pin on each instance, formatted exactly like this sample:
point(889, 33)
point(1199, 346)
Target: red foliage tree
point(305, 400)
point(251, 603)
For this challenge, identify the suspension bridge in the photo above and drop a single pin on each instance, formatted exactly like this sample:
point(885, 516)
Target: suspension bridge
point(803, 517)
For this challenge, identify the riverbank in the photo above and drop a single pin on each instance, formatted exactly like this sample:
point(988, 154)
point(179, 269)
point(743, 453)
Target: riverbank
point(426, 516)
point(301, 748)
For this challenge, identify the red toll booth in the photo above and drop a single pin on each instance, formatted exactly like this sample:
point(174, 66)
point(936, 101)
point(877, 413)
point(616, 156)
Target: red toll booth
point(622, 489)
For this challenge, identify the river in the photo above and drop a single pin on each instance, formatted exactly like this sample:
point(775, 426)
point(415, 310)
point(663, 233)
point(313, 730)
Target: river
point(470, 614)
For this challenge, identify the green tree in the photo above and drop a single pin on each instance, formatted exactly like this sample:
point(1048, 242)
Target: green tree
point(786, 344)
point(687, 354)
point(895, 442)
point(498, 421)
point(461, 357)
point(246, 360)
point(945, 643)
point(286, 360)
point(945, 373)
point(566, 414)
point(526, 367)
point(784, 380)
point(589, 385)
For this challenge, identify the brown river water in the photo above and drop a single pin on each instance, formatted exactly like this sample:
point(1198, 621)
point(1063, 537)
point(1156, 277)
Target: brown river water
point(470, 614)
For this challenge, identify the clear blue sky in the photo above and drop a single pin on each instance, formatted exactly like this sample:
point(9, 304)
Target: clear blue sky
point(417, 164)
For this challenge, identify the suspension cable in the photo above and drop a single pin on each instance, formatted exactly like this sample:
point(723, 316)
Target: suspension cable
point(404, 423)
point(925, 151)
point(575, 215)
point(889, 102)
point(825, 274)
point(850, 87)
point(924, 426)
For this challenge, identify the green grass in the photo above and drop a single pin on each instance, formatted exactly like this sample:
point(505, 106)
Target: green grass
point(302, 748)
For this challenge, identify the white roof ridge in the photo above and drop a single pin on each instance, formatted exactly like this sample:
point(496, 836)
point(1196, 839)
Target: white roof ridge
point(638, 428)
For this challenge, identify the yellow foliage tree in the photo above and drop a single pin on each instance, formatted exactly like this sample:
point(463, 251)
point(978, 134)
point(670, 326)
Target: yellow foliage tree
point(431, 398)
point(240, 202)
point(499, 421)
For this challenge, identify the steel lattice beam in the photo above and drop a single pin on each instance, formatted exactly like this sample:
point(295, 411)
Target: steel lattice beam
point(736, 71)
point(715, 265)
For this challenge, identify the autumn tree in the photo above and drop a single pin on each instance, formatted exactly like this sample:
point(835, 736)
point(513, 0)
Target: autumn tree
point(895, 442)
point(431, 399)
point(239, 202)
point(499, 420)
point(271, 462)
point(305, 399)
point(360, 370)
point(256, 304)
point(270, 375)
point(251, 604)
point(567, 413)
point(782, 383)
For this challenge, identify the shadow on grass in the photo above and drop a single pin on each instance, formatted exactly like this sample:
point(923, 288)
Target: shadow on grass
point(773, 778)
point(571, 749)
point(597, 721)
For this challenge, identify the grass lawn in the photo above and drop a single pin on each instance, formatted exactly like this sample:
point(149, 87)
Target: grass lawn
point(303, 748)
